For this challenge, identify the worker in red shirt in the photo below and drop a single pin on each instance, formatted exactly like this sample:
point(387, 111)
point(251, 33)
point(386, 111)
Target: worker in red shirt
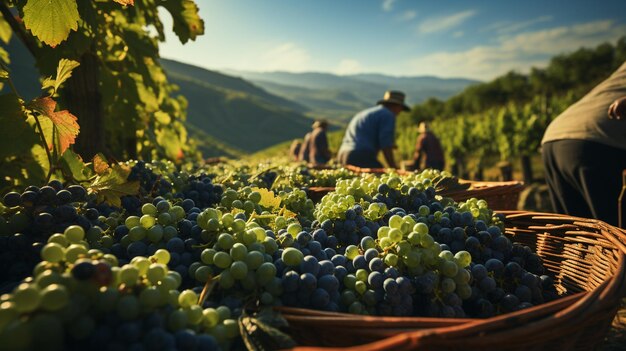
point(428, 152)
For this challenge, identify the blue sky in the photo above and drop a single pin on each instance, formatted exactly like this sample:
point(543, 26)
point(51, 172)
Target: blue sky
point(472, 39)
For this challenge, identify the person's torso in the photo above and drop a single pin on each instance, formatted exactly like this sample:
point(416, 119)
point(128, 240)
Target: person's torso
point(431, 148)
point(363, 129)
point(588, 118)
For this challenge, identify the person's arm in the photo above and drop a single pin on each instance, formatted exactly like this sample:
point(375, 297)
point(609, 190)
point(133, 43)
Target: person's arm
point(617, 109)
point(388, 153)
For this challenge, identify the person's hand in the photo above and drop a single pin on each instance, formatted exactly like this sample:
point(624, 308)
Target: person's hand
point(617, 109)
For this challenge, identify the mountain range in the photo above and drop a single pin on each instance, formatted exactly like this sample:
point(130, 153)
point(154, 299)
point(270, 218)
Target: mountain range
point(233, 113)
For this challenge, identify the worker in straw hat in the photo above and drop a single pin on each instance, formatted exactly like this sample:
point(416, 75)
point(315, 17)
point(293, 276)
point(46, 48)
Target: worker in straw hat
point(371, 131)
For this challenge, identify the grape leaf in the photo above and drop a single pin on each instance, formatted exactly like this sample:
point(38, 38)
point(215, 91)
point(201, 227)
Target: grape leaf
point(5, 30)
point(125, 2)
point(51, 21)
point(113, 184)
point(73, 164)
point(187, 24)
point(64, 122)
point(15, 133)
point(100, 164)
point(64, 72)
point(268, 199)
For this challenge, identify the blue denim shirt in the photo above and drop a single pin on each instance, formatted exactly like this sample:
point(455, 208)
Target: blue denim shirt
point(370, 130)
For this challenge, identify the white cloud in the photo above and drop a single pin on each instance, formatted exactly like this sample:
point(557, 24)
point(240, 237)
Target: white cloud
point(284, 57)
point(458, 34)
point(348, 66)
point(517, 52)
point(388, 5)
point(444, 23)
point(407, 16)
point(507, 27)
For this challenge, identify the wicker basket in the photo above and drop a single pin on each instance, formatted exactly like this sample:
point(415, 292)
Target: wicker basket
point(317, 193)
point(499, 195)
point(586, 259)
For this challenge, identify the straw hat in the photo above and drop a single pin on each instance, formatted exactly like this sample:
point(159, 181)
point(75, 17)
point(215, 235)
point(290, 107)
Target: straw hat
point(394, 97)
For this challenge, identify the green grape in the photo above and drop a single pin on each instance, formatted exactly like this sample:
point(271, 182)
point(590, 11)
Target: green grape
point(395, 221)
point(137, 233)
point(294, 229)
point(360, 287)
point(266, 273)
point(129, 274)
point(227, 220)
point(150, 297)
point(132, 221)
point(446, 255)
point(239, 225)
point(351, 252)
point(463, 258)
point(8, 313)
point(74, 251)
point(224, 313)
point(142, 264)
point(53, 252)
point(26, 297)
point(177, 320)
point(449, 269)
point(203, 274)
point(59, 239)
point(349, 281)
point(249, 237)
point(164, 218)
point(74, 233)
point(254, 259)
point(239, 270)
point(225, 241)
point(187, 298)
point(207, 256)
point(412, 259)
point(383, 232)
point(178, 213)
point(156, 272)
point(361, 275)
point(426, 240)
point(155, 234)
point(421, 228)
point(231, 328)
point(270, 245)
point(194, 314)
point(162, 256)
point(391, 260)
point(147, 221)
point(222, 260)
point(149, 209)
point(210, 317)
point(292, 256)
point(255, 197)
point(54, 297)
point(395, 235)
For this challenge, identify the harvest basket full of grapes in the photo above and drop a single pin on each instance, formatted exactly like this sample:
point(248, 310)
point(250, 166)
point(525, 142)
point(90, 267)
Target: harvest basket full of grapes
point(584, 257)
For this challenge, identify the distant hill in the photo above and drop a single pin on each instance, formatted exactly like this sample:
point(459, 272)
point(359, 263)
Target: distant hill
point(339, 97)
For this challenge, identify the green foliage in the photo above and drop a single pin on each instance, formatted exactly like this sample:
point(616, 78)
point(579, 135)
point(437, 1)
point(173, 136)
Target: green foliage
point(51, 21)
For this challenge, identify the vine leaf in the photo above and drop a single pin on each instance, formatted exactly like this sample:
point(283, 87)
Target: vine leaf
point(100, 164)
point(15, 134)
point(64, 122)
point(113, 184)
point(125, 2)
point(187, 23)
point(5, 30)
point(268, 199)
point(73, 164)
point(51, 21)
point(64, 72)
